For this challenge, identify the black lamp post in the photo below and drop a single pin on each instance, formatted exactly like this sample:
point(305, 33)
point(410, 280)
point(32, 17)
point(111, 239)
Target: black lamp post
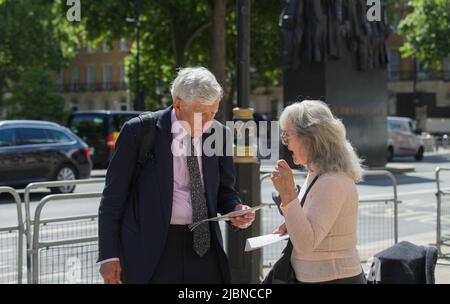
point(139, 98)
point(245, 267)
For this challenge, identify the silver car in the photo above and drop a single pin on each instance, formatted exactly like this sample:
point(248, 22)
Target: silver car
point(403, 138)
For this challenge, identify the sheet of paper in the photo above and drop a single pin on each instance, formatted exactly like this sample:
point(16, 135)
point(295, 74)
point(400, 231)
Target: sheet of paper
point(226, 217)
point(264, 240)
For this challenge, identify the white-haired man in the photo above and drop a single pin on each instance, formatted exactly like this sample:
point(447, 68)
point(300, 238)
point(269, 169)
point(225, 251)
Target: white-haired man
point(175, 190)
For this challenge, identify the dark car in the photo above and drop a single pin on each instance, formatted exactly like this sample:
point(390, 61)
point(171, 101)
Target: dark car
point(99, 129)
point(35, 151)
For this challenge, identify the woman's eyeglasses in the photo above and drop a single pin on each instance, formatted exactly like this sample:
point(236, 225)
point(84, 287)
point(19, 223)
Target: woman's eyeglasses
point(285, 137)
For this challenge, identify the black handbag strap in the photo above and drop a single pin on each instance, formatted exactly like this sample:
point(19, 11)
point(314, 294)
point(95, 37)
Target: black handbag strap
point(282, 271)
point(302, 202)
point(287, 252)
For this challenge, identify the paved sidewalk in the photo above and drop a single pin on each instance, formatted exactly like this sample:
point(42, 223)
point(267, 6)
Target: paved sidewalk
point(442, 272)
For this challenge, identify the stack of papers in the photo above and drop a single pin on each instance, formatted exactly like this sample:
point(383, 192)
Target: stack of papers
point(264, 240)
point(227, 217)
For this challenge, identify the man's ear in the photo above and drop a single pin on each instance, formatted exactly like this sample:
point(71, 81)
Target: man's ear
point(176, 104)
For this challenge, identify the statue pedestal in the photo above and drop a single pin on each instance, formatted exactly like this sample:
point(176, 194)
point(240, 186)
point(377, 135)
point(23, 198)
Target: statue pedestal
point(359, 98)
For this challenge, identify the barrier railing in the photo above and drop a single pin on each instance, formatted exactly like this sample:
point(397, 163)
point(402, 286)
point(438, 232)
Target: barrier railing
point(270, 220)
point(28, 217)
point(64, 250)
point(442, 214)
point(377, 219)
point(377, 222)
point(11, 245)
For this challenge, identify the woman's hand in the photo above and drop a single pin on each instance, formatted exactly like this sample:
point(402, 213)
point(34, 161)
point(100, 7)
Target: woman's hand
point(283, 181)
point(281, 230)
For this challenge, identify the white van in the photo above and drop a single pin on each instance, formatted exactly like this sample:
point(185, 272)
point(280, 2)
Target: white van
point(403, 138)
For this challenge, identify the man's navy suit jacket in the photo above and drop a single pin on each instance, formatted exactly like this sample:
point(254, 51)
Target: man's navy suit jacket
point(139, 245)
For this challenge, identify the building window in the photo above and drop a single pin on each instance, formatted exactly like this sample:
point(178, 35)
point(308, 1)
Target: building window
point(90, 48)
point(123, 45)
point(447, 68)
point(74, 104)
point(74, 82)
point(122, 77)
point(90, 77)
point(106, 47)
point(394, 65)
point(422, 73)
point(107, 77)
point(106, 104)
point(123, 104)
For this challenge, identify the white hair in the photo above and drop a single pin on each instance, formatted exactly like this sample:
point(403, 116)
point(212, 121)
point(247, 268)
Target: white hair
point(196, 84)
point(324, 138)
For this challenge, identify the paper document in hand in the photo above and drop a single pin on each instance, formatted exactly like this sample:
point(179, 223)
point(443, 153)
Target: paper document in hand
point(264, 240)
point(226, 217)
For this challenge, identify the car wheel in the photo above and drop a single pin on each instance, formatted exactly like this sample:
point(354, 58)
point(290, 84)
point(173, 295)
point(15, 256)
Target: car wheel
point(66, 172)
point(390, 154)
point(419, 155)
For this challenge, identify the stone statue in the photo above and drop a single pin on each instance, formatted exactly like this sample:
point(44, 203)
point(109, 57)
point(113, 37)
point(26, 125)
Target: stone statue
point(292, 29)
point(318, 30)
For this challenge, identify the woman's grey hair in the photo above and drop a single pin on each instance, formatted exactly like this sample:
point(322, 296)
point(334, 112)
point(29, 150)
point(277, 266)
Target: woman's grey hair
point(324, 137)
point(196, 84)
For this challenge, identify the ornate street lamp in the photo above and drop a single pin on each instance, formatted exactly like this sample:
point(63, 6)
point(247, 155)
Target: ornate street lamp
point(139, 96)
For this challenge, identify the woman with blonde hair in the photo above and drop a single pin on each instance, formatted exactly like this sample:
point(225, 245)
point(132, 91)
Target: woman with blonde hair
point(323, 228)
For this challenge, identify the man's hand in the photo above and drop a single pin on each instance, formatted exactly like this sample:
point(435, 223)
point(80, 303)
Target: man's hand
point(245, 220)
point(110, 272)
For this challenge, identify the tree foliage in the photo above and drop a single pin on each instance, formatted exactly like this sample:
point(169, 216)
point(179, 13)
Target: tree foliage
point(34, 97)
point(180, 33)
point(34, 36)
point(427, 31)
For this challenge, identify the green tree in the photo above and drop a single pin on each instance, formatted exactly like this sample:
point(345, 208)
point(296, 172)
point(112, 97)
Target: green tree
point(34, 97)
point(427, 32)
point(34, 34)
point(190, 32)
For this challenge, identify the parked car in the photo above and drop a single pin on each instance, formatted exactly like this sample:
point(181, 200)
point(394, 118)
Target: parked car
point(99, 129)
point(403, 138)
point(35, 151)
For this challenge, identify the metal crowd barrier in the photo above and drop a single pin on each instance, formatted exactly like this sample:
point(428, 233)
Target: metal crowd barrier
point(28, 217)
point(443, 215)
point(64, 250)
point(11, 245)
point(377, 222)
point(270, 220)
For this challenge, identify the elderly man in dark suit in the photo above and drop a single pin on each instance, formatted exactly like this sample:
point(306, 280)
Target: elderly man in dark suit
point(175, 189)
